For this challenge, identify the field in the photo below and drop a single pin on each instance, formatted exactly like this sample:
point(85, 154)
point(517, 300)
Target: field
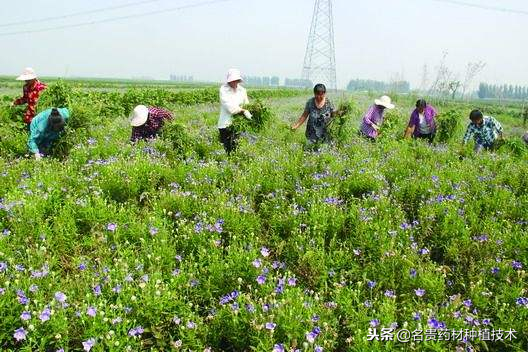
point(172, 245)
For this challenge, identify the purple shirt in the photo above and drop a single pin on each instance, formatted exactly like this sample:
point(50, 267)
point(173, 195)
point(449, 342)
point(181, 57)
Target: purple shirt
point(374, 115)
point(429, 114)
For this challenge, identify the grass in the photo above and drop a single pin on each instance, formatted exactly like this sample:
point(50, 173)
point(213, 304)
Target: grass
point(159, 246)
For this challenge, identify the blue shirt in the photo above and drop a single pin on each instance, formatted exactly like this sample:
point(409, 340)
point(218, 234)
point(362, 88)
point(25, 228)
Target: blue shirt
point(40, 136)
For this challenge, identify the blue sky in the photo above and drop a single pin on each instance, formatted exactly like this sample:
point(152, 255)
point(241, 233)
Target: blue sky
point(374, 39)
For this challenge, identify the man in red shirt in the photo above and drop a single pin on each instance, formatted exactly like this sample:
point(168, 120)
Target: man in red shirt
point(32, 90)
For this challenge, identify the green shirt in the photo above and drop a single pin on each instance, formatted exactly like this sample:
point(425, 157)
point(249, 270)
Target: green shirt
point(40, 136)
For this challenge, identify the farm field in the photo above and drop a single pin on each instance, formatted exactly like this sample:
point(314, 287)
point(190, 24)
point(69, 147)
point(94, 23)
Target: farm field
point(173, 245)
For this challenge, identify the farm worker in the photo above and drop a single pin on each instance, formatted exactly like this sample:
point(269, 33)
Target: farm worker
point(146, 122)
point(373, 118)
point(232, 97)
point(485, 130)
point(45, 128)
point(422, 123)
point(319, 111)
point(31, 93)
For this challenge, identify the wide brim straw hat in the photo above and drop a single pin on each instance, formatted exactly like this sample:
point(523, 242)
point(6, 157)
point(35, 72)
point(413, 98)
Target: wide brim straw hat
point(139, 116)
point(385, 101)
point(233, 75)
point(27, 75)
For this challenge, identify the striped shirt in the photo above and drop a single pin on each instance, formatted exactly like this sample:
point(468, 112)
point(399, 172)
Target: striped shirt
point(374, 115)
point(486, 134)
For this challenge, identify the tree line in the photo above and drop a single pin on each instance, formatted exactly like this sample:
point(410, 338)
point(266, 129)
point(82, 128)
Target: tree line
point(504, 91)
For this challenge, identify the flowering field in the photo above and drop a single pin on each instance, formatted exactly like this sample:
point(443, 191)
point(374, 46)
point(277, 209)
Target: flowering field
point(171, 245)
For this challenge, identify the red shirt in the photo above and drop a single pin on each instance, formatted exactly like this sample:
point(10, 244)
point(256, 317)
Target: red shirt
point(31, 96)
point(150, 129)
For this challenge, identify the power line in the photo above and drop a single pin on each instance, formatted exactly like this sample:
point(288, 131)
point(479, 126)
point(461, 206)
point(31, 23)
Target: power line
point(114, 19)
point(484, 7)
point(77, 14)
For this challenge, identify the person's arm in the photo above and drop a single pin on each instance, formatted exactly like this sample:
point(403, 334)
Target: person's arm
point(409, 131)
point(32, 141)
point(301, 120)
point(22, 100)
point(227, 101)
point(411, 126)
point(498, 127)
point(469, 133)
point(368, 118)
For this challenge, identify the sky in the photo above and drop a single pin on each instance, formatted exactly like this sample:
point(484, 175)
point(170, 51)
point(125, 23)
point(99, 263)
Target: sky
point(373, 39)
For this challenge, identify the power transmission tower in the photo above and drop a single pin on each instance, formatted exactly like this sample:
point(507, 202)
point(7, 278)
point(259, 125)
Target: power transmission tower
point(319, 61)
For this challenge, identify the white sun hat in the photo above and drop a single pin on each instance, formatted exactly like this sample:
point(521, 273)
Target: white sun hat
point(27, 74)
point(139, 116)
point(385, 101)
point(234, 75)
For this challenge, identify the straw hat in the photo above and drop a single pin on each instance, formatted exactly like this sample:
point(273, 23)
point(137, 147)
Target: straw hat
point(234, 75)
point(139, 116)
point(27, 74)
point(385, 101)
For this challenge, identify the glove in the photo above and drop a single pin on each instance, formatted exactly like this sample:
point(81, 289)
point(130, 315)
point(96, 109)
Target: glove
point(38, 156)
point(247, 114)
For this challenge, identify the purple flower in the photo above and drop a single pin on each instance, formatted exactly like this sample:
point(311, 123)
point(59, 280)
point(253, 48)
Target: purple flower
point(97, 290)
point(116, 321)
point(292, 281)
point(88, 344)
point(423, 251)
point(278, 348)
point(82, 266)
point(333, 201)
point(495, 271)
point(318, 349)
point(374, 323)
point(176, 320)
point(412, 273)
point(45, 315)
point(390, 294)
point(117, 289)
point(153, 231)
point(25, 315)
point(371, 284)
point(20, 334)
point(261, 279)
point(419, 292)
point(257, 263)
point(191, 325)
point(436, 324)
point(468, 303)
point(111, 227)
point(265, 252)
point(417, 316)
point(270, 326)
point(137, 331)
point(516, 265)
point(91, 311)
point(486, 321)
point(33, 288)
point(3, 267)
point(357, 252)
point(522, 301)
point(367, 304)
point(60, 297)
point(176, 272)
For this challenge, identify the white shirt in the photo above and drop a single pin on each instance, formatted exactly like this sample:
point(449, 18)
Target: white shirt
point(230, 101)
point(424, 126)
